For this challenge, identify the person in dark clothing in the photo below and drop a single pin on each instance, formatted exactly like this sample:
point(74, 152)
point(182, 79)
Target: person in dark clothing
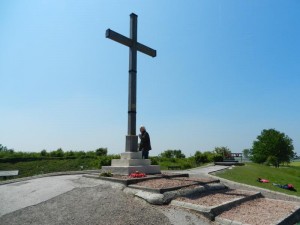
point(286, 186)
point(145, 144)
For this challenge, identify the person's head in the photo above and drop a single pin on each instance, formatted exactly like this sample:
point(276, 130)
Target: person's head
point(142, 129)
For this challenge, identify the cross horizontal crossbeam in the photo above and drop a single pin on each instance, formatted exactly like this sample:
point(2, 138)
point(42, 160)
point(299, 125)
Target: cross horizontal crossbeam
point(129, 42)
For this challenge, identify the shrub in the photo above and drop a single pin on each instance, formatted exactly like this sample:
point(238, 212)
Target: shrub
point(217, 158)
point(154, 160)
point(44, 153)
point(186, 165)
point(101, 151)
point(106, 160)
point(58, 153)
point(200, 157)
point(106, 174)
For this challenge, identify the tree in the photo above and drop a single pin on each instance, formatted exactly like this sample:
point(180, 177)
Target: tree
point(3, 148)
point(58, 153)
point(172, 154)
point(178, 154)
point(101, 151)
point(43, 153)
point(224, 151)
point(272, 143)
point(246, 153)
point(200, 157)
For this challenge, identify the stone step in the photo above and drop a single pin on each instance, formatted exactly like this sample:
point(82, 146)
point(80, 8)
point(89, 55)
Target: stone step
point(213, 203)
point(261, 211)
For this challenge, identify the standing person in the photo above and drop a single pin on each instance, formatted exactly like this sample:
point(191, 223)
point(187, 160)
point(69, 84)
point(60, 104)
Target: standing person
point(145, 144)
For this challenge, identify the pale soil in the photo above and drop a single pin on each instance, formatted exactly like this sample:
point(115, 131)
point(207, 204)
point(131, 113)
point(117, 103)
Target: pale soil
point(260, 211)
point(215, 199)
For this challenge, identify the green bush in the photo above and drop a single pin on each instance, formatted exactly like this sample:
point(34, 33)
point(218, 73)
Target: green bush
point(217, 158)
point(101, 151)
point(207, 157)
point(201, 157)
point(106, 160)
point(186, 165)
point(106, 174)
point(154, 160)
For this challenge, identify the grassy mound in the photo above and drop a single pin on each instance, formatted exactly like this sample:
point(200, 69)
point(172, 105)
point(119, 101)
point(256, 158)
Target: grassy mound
point(249, 173)
point(32, 168)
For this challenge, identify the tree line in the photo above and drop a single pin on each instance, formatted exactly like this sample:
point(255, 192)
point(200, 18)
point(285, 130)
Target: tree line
point(271, 147)
point(9, 155)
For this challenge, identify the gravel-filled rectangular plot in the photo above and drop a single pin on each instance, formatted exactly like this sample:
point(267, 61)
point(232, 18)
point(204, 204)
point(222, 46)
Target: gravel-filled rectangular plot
point(163, 185)
point(209, 199)
point(199, 180)
point(261, 211)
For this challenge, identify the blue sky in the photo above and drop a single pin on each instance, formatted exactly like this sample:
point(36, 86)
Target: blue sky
point(224, 71)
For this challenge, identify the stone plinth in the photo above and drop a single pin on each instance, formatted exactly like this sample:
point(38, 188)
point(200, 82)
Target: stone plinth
point(131, 162)
point(126, 170)
point(131, 155)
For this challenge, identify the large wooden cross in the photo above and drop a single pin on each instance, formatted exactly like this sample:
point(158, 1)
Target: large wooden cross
point(134, 46)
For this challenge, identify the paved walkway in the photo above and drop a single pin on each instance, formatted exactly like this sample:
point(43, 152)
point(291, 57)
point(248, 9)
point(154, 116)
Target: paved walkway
point(200, 170)
point(19, 195)
point(206, 170)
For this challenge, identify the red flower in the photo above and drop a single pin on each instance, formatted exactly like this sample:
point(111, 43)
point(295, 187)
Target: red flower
point(137, 174)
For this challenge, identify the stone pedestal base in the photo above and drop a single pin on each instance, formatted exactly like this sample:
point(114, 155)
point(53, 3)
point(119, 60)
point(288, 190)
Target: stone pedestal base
point(126, 170)
point(131, 162)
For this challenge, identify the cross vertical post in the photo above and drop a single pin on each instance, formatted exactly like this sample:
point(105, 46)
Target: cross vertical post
point(134, 46)
point(132, 77)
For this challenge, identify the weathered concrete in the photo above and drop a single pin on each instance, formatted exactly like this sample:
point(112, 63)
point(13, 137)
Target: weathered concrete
point(18, 195)
point(100, 204)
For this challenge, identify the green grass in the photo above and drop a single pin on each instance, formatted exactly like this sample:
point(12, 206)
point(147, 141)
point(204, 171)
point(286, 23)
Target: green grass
point(32, 168)
point(183, 163)
point(296, 163)
point(249, 173)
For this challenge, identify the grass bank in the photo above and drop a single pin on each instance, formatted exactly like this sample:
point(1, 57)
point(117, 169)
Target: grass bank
point(32, 168)
point(249, 173)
